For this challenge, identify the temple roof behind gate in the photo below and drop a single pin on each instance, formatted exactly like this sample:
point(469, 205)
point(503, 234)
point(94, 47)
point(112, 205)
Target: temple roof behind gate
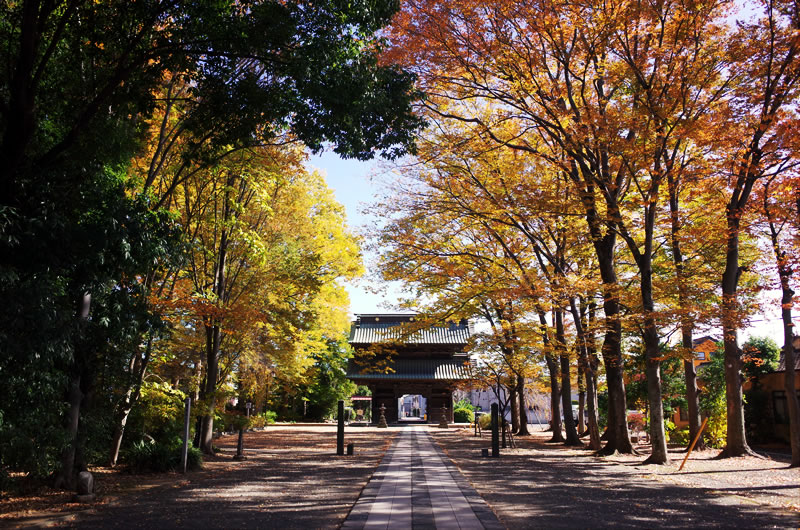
point(379, 328)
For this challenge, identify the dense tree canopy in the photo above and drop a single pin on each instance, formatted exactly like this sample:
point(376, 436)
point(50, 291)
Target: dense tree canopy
point(90, 261)
point(655, 122)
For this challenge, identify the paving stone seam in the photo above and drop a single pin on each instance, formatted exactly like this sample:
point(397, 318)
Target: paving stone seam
point(482, 510)
point(422, 508)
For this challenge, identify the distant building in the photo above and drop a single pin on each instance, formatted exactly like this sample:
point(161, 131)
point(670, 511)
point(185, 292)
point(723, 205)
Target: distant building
point(775, 413)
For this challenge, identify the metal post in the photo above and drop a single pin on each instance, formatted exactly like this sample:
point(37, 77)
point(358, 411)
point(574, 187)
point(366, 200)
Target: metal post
point(340, 430)
point(185, 452)
point(495, 433)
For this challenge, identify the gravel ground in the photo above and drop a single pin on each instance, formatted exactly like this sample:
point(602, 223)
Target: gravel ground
point(542, 485)
point(291, 479)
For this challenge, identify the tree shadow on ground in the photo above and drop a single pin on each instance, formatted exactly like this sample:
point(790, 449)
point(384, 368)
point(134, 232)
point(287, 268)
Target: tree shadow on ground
point(299, 484)
point(552, 490)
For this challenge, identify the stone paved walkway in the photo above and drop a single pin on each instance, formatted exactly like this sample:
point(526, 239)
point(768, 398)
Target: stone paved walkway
point(416, 486)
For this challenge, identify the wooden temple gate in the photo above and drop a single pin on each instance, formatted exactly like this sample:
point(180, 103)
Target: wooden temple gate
point(393, 358)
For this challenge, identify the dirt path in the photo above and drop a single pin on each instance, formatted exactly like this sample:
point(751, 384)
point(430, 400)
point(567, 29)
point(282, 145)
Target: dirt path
point(540, 485)
point(291, 479)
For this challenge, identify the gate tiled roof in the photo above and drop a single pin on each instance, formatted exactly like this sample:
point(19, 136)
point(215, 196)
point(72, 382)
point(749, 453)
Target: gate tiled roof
point(416, 369)
point(371, 329)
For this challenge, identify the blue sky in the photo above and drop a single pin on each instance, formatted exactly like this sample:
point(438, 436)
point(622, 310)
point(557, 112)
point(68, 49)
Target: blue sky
point(355, 186)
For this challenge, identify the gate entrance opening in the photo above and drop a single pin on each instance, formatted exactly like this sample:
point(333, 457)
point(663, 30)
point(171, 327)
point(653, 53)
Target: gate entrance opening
point(411, 407)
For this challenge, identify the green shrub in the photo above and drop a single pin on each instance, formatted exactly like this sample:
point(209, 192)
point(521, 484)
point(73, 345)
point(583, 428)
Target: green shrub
point(669, 428)
point(485, 421)
point(258, 421)
point(464, 404)
point(159, 411)
point(679, 436)
point(463, 415)
point(148, 455)
point(716, 431)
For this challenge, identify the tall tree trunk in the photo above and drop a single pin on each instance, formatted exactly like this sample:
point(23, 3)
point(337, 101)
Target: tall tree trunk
point(523, 409)
point(581, 396)
point(619, 439)
point(213, 331)
point(687, 326)
point(512, 391)
point(658, 439)
point(138, 369)
point(789, 375)
point(555, 393)
point(787, 299)
point(66, 477)
point(736, 439)
point(588, 358)
point(644, 262)
point(555, 399)
point(566, 384)
point(209, 394)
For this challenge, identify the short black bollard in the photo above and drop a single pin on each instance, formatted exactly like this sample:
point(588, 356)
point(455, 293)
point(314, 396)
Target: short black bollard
point(484, 452)
point(340, 430)
point(350, 449)
point(240, 446)
point(495, 432)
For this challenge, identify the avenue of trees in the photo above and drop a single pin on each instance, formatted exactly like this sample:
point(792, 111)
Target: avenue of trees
point(596, 173)
point(160, 235)
point(591, 178)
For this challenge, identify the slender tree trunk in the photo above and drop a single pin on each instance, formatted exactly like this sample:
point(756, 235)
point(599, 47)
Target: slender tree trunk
point(214, 331)
point(555, 393)
point(581, 397)
point(138, 369)
point(588, 352)
point(66, 477)
point(787, 299)
point(120, 421)
point(210, 389)
point(555, 399)
point(512, 391)
point(789, 376)
point(689, 369)
point(658, 439)
point(566, 384)
point(523, 409)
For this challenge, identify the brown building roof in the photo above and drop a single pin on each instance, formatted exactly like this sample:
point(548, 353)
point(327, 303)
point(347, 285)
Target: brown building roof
point(782, 361)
